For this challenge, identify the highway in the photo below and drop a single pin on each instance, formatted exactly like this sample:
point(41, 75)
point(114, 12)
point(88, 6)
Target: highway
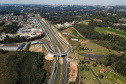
point(56, 53)
point(64, 76)
point(55, 66)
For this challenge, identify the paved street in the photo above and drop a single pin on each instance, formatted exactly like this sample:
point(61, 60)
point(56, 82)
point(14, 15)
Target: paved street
point(63, 52)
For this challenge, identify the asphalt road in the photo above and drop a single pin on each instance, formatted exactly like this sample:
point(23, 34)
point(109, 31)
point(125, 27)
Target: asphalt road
point(53, 76)
point(63, 52)
point(64, 76)
point(55, 67)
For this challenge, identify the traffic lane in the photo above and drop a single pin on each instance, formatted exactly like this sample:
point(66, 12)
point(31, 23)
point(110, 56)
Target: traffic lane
point(64, 77)
point(53, 76)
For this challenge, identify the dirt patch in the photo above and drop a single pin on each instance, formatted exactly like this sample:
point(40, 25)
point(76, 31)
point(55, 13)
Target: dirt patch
point(83, 42)
point(36, 48)
point(68, 30)
point(73, 71)
point(98, 20)
point(60, 60)
point(48, 58)
point(86, 22)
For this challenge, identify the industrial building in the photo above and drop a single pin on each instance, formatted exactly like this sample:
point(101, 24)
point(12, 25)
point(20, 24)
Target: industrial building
point(10, 47)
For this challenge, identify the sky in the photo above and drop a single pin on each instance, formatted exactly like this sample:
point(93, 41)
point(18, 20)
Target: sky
point(78, 2)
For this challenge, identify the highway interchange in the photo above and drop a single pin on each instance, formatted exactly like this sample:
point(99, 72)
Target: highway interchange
point(55, 53)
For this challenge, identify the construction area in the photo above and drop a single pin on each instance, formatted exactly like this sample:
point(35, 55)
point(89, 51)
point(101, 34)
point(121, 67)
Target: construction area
point(73, 71)
point(36, 48)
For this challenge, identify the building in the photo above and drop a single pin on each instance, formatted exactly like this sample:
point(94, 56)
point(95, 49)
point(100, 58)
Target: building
point(117, 24)
point(74, 39)
point(65, 33)
point(123, 24)
point(59, 25)
point(103, 70)
point(67, 24)
point(11, 47)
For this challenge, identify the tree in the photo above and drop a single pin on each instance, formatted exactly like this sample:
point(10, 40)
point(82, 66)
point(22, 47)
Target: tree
point(87, 62)
point(106, 63)
point(81, 68)
point(1, 51)
point(94, 65)
point(100, 76)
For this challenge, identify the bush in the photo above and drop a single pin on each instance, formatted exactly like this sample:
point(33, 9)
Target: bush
point(87, 62)
point(100, 76)
point(94, 65)
point(1, 51)
point(86, 69)
point(81, 68)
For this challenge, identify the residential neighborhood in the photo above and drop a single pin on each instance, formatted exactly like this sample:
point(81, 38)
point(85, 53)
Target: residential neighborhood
point(29, 26)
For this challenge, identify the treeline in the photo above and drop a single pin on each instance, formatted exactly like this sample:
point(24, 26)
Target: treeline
point(106, 24)
point(2, 23)
point(12, 28)
point(115, 42)
point(25, 68)
point(118, 63)
point(18, 39)
point(100, 24)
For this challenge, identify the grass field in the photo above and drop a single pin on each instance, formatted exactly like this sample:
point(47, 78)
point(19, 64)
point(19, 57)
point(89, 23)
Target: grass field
point(96, 49)
point(110, 31)
point(75, 33)
point(109, 77)
point(87, 77)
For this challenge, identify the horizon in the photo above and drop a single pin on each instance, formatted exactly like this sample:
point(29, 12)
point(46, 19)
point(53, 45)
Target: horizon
point(65, 2)
point(59, 4)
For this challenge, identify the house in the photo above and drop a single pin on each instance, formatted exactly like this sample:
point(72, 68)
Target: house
point(65, 33)
point(124, 24)
point(74, 39)
point(103, 70)
point(117, 24)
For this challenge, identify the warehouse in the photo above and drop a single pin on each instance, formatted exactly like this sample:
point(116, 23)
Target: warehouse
point(9, 47)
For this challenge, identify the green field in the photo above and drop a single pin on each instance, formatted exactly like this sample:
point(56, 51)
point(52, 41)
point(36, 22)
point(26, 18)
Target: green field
point(75, 33)
point(109, 77)
point(111, 31)
point(87, 77)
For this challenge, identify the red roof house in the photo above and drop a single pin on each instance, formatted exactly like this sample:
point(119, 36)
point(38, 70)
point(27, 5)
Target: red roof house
point(103, 70)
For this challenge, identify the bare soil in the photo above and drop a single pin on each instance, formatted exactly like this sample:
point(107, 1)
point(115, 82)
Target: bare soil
point(83, 42)
point(60, 60)
point(73, 71)
point(68, 30)
point(48, 58)
point(86, 22)
point(98, 20)
point(36, 48)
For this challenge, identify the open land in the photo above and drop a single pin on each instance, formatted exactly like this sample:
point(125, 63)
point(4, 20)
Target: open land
point(110, 31)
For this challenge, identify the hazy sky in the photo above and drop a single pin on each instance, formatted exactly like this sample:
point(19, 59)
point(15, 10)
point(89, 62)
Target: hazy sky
point(82, 2)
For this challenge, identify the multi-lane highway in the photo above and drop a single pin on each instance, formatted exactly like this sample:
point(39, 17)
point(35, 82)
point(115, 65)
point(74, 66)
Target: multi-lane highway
point(56, 53)
point(53, 75)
